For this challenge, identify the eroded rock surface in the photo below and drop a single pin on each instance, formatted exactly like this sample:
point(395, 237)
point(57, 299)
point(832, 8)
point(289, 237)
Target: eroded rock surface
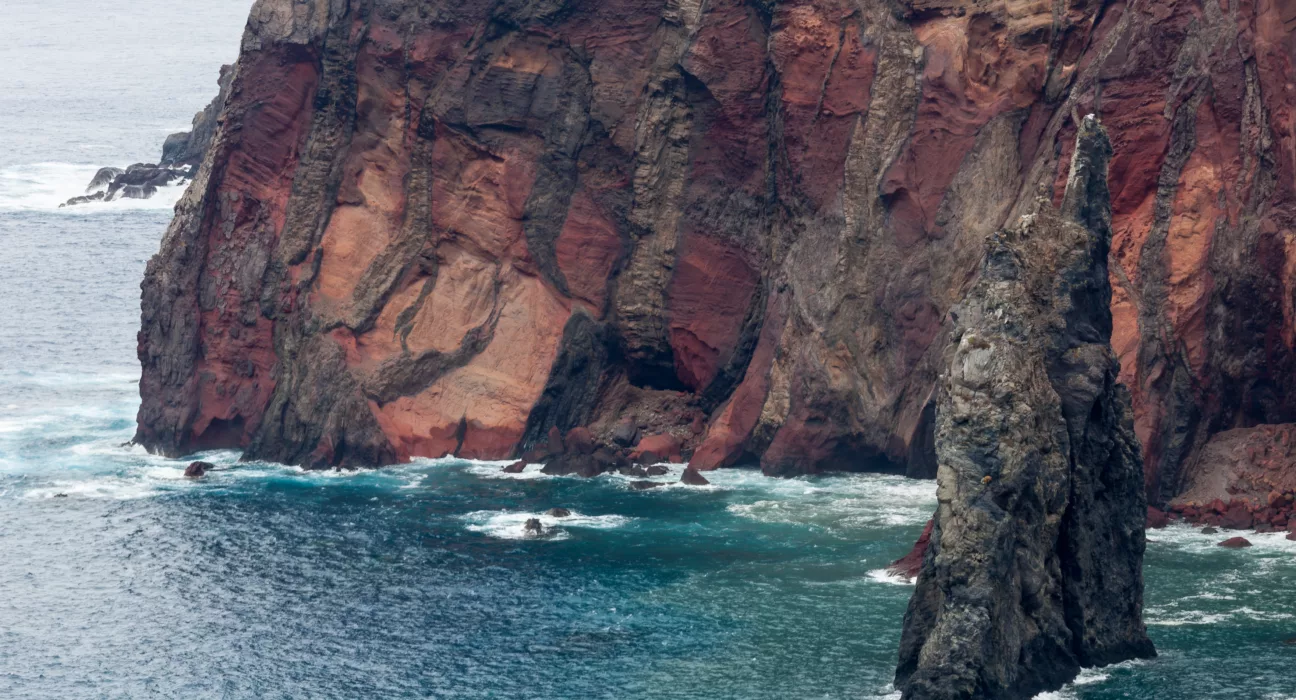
point(428, 228)
point(1034, 566)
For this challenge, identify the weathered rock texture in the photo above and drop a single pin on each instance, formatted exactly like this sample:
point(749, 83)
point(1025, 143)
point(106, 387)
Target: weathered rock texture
point(433, 227)
point(1034, 567)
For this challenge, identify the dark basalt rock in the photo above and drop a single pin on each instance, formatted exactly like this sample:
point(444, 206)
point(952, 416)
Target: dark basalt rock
point(197, 470)
point(515, 468)
point(1235, 543)
point(1034, 569)
point(534, 528)
point(656, 470)
point(645, 485)
point(181, 155)
point(1209, 531)
point(693, 477)
point(559, 513)
point(103, 178)
point(96, 197)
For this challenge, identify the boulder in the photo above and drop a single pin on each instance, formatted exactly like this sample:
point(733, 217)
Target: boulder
point(579, 441)
point(1156, 518)
point(656, 470)
point(585, 465)
point(693, 477)
point(625, 433)
point(1237, 517)
point(516, 467)
point(534, 528)
point(1209, 531)
point(559, 513)
point(657, 448)
point(197, 470)
point(635, 471)
point(1236, 543)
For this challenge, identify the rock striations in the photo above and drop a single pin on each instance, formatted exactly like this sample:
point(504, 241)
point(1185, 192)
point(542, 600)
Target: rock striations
point(429, 228)
point(1034, 567)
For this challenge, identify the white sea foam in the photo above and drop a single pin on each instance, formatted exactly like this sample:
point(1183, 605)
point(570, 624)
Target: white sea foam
point(508, 525)
point(44, 186)
point(1190, 539)
point(108, 487)
point(839, 502)
point(490, 470)
point(889, 577)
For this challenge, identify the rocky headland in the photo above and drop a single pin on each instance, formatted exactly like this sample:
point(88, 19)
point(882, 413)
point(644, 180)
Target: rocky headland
point(449, 228)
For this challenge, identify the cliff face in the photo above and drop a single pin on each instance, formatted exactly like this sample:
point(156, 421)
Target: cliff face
point(1034, 566)
point(429, 228)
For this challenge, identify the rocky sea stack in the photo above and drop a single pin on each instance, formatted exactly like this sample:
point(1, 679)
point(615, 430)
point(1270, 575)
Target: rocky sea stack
point(1035, 564)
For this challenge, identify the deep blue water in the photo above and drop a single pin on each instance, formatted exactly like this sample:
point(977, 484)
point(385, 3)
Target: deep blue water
point(264, 581)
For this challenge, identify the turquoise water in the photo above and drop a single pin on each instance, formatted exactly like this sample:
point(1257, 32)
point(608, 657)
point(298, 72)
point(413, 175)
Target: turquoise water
point(264, 581)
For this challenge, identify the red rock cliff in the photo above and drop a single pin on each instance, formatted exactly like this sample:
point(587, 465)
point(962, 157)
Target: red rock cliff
point(432, 228)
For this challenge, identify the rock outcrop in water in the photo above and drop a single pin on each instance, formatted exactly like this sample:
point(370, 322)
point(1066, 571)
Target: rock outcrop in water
point(1034, 567)
point(182, 153)
point(428, 227)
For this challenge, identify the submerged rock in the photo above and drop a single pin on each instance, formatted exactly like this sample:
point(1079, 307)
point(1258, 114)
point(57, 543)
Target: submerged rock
point(645, 485)
point(1037, 570)
point(1236, 543)
point(559, 513)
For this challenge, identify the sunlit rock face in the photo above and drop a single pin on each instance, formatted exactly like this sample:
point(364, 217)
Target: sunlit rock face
point(430, 228)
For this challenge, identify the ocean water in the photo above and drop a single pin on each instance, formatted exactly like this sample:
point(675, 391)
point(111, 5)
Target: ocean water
point(121, 579)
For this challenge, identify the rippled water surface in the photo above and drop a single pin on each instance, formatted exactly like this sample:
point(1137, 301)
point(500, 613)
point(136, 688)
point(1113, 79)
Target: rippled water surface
point(121, 579)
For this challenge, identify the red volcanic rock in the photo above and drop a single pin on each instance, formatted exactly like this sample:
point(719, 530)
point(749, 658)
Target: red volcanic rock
point(1291, 536)
point(657, 448)
point(1156, 519)
point(1238, 517)
point(910, 564)
point(1235, 543)
point(693, 477)
point(477, 226)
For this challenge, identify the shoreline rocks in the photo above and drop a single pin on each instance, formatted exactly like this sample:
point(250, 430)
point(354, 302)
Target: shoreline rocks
point(182, 154)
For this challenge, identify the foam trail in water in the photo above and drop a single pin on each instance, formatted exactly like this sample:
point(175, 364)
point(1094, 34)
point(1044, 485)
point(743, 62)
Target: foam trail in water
point(507, 525)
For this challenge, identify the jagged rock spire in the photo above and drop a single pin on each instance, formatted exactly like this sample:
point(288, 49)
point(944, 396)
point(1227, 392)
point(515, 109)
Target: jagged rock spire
point(1035, 563)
